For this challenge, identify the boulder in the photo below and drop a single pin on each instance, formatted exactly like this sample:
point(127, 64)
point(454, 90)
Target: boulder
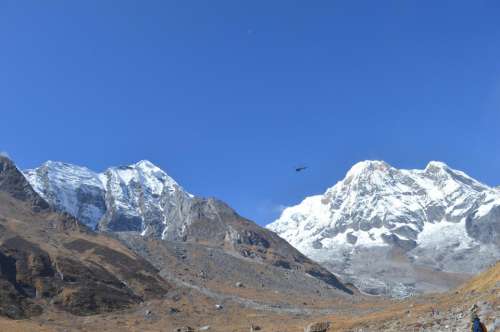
point(185, 329)
point(318, 327)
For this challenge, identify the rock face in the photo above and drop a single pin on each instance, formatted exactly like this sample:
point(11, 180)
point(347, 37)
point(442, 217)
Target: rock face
point(141, 198)
point(13, 183)
point(213, 222)
point(381, 227)
point(47, 258)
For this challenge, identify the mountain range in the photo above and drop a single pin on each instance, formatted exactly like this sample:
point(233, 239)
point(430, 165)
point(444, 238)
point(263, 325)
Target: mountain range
point(151, 256)
point(141, 201)
point(395, 231)
point(388, 231)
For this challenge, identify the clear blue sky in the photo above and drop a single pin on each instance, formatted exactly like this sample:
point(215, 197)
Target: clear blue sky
point(229, 96)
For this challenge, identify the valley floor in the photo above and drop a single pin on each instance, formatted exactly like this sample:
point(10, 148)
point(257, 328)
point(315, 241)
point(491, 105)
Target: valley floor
point(196, 308)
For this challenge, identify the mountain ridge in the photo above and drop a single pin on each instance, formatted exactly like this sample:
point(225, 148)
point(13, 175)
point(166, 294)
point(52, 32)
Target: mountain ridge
point(122, 198)
point(143, 200)
point(380, 208)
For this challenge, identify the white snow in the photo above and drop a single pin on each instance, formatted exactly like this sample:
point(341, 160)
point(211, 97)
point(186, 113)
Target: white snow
point(491, 200)
point(62, 183)
point(370, 238)
point(136, 190)
point(445, 234)
point(375, 198)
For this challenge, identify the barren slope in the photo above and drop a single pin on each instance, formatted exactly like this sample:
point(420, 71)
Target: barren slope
point(48, 258)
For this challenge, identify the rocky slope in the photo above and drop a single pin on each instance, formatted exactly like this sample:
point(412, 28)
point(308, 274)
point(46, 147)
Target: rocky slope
point(450, 311)
point(394, 231)
point(144, 201)
point(48, 259)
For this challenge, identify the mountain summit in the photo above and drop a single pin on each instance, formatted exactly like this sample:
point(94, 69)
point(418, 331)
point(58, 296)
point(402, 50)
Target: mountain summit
point(437, 218)
point(125, 198)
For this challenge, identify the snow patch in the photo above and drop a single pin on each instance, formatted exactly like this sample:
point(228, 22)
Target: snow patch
point(446, 234)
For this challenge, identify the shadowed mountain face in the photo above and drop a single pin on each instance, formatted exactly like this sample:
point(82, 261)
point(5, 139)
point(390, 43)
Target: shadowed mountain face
point(14, 183)
point(47, 257)
point(143, 200)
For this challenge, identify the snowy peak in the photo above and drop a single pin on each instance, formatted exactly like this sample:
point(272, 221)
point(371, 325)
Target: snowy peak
point(440, 171)
point(64, 173)
point(136, 197)
point(143, 173)
point(144, 169)
point(374, 195)
point(367, 175)
point(70, 188)
point(436, 165)
point(437, 210)
point(368, 167)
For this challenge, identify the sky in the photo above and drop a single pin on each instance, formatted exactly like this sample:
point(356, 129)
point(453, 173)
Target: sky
point(228, 97)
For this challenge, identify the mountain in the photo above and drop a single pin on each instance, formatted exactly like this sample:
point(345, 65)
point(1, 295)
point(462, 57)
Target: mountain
point(140, 197)
point(141, 202)
point(224, 273)
point(395, 231)
point(48, 259)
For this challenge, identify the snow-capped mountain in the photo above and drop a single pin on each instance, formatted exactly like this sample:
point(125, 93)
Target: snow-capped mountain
point(140, 197)
point(379, 225)
point(141, 200)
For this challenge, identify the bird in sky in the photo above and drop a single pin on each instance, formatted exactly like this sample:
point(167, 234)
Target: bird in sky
point(300, 168)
